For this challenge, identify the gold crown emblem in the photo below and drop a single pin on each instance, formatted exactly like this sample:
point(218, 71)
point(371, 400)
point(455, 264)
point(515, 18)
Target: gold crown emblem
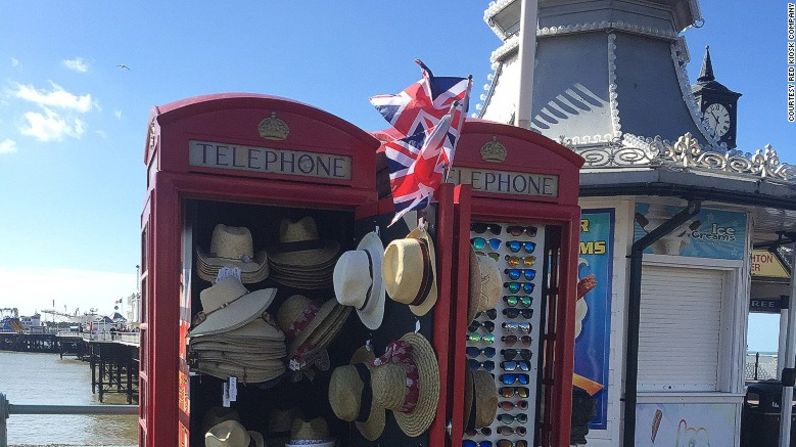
point(493, 151)
point(273, 128)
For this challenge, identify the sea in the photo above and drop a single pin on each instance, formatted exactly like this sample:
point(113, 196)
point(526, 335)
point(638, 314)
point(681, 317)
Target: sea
point(45, 379)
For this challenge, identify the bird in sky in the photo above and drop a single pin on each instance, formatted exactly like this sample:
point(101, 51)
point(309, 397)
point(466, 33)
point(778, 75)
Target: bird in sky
point(123, 67)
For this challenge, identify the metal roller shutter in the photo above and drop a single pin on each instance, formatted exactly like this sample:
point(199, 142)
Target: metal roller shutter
point(680, 329)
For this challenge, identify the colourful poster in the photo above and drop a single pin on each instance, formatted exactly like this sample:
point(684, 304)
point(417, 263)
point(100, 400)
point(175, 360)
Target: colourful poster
point(593, 309)
point(715, 234)
point(686, 424)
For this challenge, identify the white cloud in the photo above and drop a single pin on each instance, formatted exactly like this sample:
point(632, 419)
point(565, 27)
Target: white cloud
point(77, 64)
point(101, 134)
point(57, 97)
point(8, 146)
point(14, 62)
point(117, 114)
point(50, 126)
point(33, 289)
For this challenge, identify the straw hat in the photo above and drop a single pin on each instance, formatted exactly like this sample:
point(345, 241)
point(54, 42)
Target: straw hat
point(485, 398)
point(406, 381)
point(410, 271)
point(227, 305)
point(314, 432)
point(485, 284)
point(232, 247)
point(299, 317)
point(279, 424)
point(217, 415)
point(358, 283)
point(301, 245)
point(351, 395)
point(232, 434)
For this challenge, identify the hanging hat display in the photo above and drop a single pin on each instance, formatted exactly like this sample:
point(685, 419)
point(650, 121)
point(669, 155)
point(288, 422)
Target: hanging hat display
point(406, 380)
point(410, 272)
point(302, 259)
point(485, 285)
point(358, 282)
point(351, 395)
point(232, 247)
point(314, 432)
point(231, 433)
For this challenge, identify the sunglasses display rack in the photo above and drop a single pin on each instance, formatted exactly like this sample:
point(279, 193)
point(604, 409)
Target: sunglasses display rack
point(511, 330)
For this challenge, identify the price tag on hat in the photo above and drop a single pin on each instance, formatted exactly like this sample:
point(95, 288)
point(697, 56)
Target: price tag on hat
point(233, 389)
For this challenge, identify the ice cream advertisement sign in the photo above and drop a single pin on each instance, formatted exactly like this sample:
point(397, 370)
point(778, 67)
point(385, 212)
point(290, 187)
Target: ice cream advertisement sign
point(685, 425)
point(715, 234)
point(593, 309)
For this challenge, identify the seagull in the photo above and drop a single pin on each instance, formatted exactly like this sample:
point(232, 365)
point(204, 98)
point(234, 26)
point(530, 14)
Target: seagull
point(123, 67)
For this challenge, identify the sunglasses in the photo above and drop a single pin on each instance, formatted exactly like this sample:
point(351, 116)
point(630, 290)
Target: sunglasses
point(516, 326)
point(482, 227)
point(511, 340)
point(493, 255)
point(507, 443)
point(479, 243)
point(488, 365)
point(509, 419)
point(488, 325)
point(515, 287)
point(513, 365)
point(516, 230)
point(475, 337)
point(516, 246)
point(515, 300)
point(506, 430)
point(511, 379)
point(511, 391)
point(514, 313)
point(508, 405)
point(511, 354)
point(486, 431)
point(469, 443)
point(488, 352)
point(529, 274)
point(491, 314)
point(514, 261)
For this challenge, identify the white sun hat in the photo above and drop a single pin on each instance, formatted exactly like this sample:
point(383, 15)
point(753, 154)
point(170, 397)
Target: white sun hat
point(358, 282)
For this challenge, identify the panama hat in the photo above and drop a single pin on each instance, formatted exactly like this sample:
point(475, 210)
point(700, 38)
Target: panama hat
point(406, 380)
point(232, 434)
point(314, 432)
point(485, 285)
point(227, 305)
point(485, 398)
point(216, 415)
point(351, 395)
point(232, 247)
point(358, 283)
point(410, 272)
point(301, 245)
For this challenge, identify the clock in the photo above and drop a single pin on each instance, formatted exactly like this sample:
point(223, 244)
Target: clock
point(718, 119)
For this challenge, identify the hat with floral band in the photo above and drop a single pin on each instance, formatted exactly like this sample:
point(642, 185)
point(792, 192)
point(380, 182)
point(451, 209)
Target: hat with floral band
point(406, 380)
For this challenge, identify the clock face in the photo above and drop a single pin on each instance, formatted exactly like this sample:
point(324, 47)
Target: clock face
point(717, 118)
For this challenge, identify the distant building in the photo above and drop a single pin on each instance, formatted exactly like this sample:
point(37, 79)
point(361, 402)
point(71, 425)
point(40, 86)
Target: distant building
point(134, 309)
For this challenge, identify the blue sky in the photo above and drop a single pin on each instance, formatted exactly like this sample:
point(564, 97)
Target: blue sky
point(73, 124)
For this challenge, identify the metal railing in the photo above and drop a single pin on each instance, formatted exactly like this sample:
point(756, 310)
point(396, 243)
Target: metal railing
point(7, 409)
point(760, 366)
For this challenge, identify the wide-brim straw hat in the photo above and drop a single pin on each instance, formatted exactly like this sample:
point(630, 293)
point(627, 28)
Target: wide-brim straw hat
point(349, 386)
point(243, 374)
point(389, 386)
point(232, 247)
point(231, 433)
point(227, 306)
point(358, 282)
point(410, 271)
point(298, 317)
point(469, 410)
point(485, 285)
point(301, 245)
point(485, 398)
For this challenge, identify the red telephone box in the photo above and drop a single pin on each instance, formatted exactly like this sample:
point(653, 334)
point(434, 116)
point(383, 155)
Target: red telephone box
point(238, 159)
point(518, 203)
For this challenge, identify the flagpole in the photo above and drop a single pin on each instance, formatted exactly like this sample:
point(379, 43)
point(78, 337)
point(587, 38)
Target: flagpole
point(461, 124)
point(529, 11)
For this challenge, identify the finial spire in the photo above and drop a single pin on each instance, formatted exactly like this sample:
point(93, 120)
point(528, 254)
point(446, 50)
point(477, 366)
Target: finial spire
point(706, 74)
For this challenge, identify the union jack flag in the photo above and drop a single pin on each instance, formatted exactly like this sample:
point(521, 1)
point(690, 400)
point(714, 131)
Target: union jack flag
point(427, 118)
